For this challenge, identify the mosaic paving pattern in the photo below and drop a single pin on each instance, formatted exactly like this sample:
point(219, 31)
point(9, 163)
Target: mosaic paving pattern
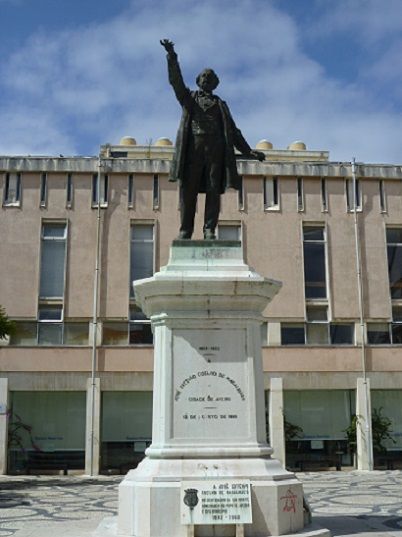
point(33, 505)
point(345, 502)
point(355, 502)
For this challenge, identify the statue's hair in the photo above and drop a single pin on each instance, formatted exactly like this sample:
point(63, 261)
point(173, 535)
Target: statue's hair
point(215, 77)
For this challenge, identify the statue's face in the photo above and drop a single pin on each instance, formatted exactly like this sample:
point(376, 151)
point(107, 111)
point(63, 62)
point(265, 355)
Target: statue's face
point(207, 80)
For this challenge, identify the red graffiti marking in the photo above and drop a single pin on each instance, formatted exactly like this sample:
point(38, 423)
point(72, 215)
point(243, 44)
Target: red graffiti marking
point(290, 502)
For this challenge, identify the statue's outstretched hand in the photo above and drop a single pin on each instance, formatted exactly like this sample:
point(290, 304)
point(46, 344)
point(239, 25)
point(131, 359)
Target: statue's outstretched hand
point(259, 155)
point(167, 45)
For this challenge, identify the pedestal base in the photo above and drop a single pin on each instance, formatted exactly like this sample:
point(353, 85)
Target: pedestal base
point(149, 497)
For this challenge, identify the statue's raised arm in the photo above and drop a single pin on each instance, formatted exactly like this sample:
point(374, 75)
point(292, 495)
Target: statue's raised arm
point(175, 76)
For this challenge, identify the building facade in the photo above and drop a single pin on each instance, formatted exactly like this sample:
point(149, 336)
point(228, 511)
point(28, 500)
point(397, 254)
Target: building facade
point(76, 377)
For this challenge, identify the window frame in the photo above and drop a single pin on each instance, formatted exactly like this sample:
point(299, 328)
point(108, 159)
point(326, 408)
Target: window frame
point(104, 190)
point(69, 191)
point(152, 223)
point(324, 195)
point(350, 196)
point(65, 239)
point(275, 194)
point(323, 227)
point(240, 195)
point(43, 190)
point(300, 194)
point(15, 202)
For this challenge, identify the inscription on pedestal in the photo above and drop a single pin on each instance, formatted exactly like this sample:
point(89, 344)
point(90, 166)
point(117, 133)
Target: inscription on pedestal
point(216, 502)
point(210, 390)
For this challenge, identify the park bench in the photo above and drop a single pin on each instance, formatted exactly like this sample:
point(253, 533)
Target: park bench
point(320, 460)
point(55, 460)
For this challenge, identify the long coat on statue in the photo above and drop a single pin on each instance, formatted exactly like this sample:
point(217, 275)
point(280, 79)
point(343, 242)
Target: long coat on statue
point(232, 136)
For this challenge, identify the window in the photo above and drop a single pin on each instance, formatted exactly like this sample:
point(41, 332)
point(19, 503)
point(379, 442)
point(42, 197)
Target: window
point(271, 193)
point(53, 255)
point(378, 334)
point(352, 197)
point(394, 250)
point(229, 232)
point(25, 333)
point(317, 327)
point(383, 199)
point(130, 191)
point(50, 329)
point(341, 333)
point(50, 325)
point(314, 262)
point(69, 191)
point(12, 189)
point(324, 195)
point(300, 194)
point(396, 326)
point(137, 331)
point(104, 190)
point(142, 253)
point(140, 331)
point(155, 192)
point(43, 190)
point(292, 334)
point(240, 195)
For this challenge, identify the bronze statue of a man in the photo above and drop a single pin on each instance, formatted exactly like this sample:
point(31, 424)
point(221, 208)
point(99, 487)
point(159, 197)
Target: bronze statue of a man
point(204, 159)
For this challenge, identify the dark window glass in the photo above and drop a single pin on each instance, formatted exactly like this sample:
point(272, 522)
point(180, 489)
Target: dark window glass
point(324, 195)
point(314, 270)
point(130, 190)
point(142, 253)
point(378, 334)
point(397, 314)
point(115, 333)
point(341, 334)
point(300, 196)
point(397, 334)
point(139, 327)
point(313, 233)
point(292, 334)
point(69, 190)
point(50, 334)
point(395, 270)
point(43, 189)
point(240, 195)
point(394, 235)
point(156, 192)
point(383, 204)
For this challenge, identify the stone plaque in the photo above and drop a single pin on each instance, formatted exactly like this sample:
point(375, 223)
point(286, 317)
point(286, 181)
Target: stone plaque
point(210, 384)
point(216, 502)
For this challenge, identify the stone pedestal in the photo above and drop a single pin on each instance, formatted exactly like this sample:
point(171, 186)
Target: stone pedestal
point(208, 407)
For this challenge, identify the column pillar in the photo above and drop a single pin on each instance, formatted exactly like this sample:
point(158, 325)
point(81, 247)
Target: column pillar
point(4, 398)
point(364, 440)
point(92, 434)
point(276, 421)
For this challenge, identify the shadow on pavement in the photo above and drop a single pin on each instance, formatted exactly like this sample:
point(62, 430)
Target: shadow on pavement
point(348, 525)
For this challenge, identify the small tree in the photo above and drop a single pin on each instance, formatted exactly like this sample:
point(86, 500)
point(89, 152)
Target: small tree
point(292, 431)
point(381, 428)
point(7, 326)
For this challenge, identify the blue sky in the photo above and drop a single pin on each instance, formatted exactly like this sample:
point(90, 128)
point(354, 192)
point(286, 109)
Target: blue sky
point(74, 75)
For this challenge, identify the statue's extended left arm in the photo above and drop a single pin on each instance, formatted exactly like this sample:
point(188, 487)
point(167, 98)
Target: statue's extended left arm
point(240, 142)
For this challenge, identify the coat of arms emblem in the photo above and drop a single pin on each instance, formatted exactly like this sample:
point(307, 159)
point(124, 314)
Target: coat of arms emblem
point(190, 498)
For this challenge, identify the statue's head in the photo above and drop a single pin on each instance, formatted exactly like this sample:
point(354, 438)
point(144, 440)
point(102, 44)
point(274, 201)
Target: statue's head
point(207, 80)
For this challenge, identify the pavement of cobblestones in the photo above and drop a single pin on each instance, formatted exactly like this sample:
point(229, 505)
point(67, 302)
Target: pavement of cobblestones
point(348, 503)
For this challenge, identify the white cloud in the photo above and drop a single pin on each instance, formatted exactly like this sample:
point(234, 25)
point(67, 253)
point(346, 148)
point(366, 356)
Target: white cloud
point(97, 83)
